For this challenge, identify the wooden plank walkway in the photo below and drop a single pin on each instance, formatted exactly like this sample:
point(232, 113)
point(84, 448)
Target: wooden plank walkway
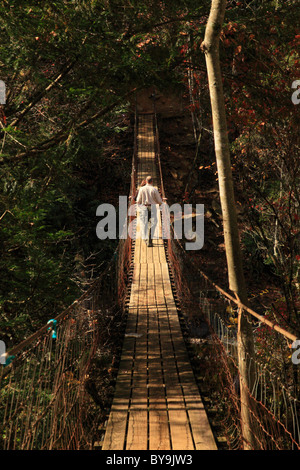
point(156, 405)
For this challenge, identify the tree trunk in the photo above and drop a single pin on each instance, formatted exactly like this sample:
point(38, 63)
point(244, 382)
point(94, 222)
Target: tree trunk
point(210, 47)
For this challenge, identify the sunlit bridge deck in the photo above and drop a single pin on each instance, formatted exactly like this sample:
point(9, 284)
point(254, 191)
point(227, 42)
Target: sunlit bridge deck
point(156, 405)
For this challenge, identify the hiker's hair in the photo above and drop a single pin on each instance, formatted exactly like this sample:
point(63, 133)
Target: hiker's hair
point(149, 179)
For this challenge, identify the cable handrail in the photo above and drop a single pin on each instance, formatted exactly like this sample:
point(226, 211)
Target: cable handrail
point(64, 314)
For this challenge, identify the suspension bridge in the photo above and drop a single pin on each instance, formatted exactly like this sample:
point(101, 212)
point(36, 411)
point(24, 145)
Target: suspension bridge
point(48, 393)
point(157, 405)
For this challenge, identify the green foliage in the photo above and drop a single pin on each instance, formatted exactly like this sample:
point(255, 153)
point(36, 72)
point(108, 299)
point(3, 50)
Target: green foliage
point(64, 62)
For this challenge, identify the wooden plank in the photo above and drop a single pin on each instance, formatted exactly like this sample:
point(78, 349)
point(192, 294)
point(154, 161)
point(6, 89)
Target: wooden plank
point(158, 414)
point(159, 293)
point(142, 302)
point(150, 254)
point(155, 252)
point(151, 299)
point(202, 433)
point(179, 425)
point(135, 286)
point(144, 248)
point(137, 435)
point(139, 374)
point(114, 438)
point(159, 432)
point(168, 293)
point(115, 434)
point(161, 252)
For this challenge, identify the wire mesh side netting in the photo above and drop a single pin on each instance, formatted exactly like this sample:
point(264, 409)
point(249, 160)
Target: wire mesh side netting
point(55, 390)
point(273, 403)
point(274, 399)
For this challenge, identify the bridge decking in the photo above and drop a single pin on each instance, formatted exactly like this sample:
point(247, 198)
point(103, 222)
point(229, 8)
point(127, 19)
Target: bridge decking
point(156, 405)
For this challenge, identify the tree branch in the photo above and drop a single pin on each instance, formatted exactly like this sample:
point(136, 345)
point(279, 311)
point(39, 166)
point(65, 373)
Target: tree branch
point(64, 134)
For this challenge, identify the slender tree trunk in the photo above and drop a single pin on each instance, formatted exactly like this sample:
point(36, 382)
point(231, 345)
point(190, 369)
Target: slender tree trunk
point(210, 47)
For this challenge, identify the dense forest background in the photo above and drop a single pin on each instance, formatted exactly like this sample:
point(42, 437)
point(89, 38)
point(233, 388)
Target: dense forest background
point(72, 70)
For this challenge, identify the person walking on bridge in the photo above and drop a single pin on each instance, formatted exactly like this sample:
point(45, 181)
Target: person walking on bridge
point(147, 199)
